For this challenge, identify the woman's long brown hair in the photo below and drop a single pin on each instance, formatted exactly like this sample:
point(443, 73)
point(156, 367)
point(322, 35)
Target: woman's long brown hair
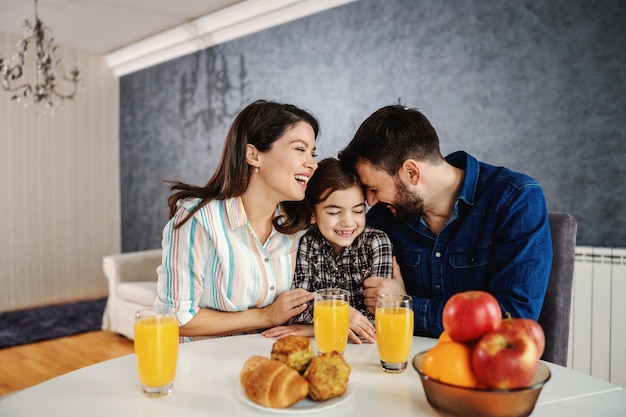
point(260, 124)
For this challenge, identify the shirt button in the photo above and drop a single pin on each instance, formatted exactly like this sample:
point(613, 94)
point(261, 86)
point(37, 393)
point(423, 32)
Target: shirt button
point(438, 254)
point(266, 260)
point(437, 287)
point(272, 288)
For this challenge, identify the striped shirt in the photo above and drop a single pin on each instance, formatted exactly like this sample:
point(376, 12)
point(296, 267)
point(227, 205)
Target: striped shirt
point(316, 267)
point(215, 260)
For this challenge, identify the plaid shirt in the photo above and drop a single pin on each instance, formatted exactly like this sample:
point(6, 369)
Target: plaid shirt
point(317, 267)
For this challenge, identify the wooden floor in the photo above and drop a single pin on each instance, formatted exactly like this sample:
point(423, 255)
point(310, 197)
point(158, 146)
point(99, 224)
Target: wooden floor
point(27, 365)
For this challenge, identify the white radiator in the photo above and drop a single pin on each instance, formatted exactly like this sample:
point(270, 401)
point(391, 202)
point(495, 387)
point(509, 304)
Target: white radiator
point(597, 343)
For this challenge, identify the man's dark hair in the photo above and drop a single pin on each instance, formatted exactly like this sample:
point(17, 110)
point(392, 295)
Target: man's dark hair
point(390, 136)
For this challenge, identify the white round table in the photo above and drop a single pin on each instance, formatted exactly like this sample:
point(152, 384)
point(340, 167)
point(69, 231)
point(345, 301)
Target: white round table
point(207, 380)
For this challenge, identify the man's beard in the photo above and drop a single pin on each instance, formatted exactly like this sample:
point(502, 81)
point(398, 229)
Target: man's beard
point(407, 206)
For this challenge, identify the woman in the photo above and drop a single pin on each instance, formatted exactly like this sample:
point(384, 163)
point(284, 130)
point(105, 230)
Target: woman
point(229, 247)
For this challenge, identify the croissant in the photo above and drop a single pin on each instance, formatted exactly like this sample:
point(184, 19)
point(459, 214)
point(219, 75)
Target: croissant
point(271, 383)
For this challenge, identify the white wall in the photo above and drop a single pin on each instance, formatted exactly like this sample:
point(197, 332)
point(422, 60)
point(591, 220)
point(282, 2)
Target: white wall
point(59, 189)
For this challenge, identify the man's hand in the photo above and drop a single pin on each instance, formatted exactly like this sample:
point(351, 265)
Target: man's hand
point(374, 286)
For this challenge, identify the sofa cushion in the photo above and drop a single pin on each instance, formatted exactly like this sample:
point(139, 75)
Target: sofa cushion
point(140, 292)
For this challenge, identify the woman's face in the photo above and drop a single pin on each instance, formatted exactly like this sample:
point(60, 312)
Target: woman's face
point(341, 217)
point(287, 167)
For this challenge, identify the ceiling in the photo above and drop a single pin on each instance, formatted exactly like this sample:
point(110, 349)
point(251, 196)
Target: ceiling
point(136, 34)
point(103, 26)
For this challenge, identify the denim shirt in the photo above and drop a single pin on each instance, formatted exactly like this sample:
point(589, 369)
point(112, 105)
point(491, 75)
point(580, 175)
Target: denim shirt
point(497, 240)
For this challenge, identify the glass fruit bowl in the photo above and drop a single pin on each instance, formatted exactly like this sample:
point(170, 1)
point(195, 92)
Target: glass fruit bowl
point(456, 401)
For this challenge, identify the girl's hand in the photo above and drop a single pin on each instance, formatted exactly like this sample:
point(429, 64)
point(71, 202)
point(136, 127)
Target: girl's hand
point(290, 329)
point(361, 329)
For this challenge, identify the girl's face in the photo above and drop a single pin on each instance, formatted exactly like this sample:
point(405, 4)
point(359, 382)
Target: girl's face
point(341, 217)
point(287, 167)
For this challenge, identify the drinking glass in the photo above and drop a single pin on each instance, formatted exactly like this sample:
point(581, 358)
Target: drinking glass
point(156, 349)
point(331, 320)
point(394, 331)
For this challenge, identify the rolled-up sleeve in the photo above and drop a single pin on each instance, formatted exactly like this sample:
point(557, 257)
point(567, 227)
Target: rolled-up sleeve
point(181, 274)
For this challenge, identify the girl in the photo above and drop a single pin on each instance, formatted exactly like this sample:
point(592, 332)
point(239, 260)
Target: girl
point(339, 250)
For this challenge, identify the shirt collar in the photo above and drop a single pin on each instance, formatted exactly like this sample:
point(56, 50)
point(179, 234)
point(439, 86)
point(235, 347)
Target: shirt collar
point(236, 213)
point(469, 164)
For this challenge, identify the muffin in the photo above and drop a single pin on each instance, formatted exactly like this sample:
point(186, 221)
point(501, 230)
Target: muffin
point(294, 351)
point(327, 376)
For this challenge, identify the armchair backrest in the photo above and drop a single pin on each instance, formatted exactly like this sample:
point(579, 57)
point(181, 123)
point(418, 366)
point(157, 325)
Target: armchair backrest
point(555, 313)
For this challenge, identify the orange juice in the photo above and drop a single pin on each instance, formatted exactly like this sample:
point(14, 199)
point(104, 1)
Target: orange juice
point(331, 320)
point(156, 347)
point(394, 333)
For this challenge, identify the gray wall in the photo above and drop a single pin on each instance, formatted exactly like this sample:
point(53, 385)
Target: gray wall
point(538, 86)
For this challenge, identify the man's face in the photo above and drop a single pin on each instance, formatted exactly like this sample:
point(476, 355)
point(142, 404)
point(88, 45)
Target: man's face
point(408, 205)
point(380, 187)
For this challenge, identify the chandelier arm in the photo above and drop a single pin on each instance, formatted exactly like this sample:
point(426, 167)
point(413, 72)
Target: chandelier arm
point(47, 68)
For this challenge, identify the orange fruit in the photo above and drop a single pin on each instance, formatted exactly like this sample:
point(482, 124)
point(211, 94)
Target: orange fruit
point(444, 337)
point(450, 362)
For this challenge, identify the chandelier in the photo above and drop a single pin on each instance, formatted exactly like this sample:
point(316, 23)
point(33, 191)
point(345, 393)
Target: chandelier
point(47, 69)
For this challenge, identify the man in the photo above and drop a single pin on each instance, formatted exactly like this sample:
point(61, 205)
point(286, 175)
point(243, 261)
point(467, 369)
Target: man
point(456, 224)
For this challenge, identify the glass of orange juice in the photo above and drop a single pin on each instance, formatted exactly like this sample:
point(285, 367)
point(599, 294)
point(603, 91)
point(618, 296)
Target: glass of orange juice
point(394, 331)
point(331, 320)
point(156, 349)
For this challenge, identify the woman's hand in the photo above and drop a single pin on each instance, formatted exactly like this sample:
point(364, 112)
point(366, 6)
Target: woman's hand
point(288, 304)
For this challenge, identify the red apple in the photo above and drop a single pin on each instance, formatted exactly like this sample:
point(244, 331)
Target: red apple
point(529, 327)
point(470, 314)
point(504, 360)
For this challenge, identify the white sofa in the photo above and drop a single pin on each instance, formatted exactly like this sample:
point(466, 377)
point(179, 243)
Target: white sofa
point(132, 281)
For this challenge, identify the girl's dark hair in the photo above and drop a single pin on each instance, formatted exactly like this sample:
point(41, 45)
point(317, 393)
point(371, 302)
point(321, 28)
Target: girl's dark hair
point(329, 177)
point(389, 137)
point(260, 124)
